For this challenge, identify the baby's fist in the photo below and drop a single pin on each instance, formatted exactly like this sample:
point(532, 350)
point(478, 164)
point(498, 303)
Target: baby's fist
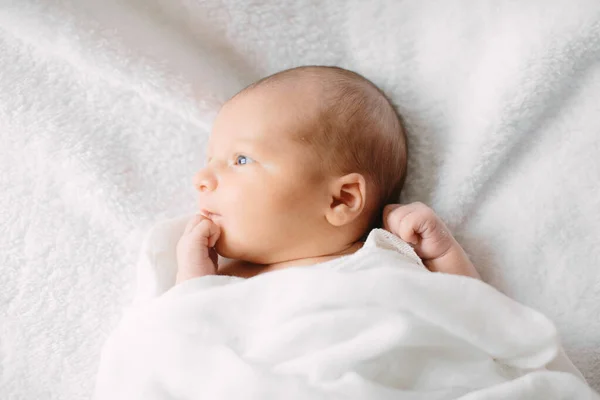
point(418, 225)
point(196, 255)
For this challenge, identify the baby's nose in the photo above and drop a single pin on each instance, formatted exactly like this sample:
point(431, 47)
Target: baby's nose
point(205, 181)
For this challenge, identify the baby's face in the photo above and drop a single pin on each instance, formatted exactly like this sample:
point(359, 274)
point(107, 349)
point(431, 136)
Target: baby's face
point(262, 186)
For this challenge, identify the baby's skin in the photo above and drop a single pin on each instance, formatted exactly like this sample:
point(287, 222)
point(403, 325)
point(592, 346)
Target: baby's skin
point(415, 223)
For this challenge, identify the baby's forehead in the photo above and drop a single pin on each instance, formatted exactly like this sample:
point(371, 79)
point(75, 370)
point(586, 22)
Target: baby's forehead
point(311, 107)
point(290, 107)
point(264, 122)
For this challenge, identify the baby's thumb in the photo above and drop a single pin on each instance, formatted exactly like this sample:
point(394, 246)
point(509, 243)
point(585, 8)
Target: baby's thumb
point(215, 233)
point(387, 210)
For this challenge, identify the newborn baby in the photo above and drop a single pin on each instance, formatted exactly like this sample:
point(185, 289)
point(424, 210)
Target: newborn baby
point(301, 165)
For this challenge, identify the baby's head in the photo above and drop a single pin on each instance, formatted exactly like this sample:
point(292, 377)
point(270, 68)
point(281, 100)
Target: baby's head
point(300, 164)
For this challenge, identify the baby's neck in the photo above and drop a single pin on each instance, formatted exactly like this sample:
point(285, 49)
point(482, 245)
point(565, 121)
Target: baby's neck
point(245, 269)
point(352, 248)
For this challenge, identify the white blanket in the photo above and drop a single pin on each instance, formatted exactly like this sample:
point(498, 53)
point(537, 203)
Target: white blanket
point(372, 325)
point(105, 107)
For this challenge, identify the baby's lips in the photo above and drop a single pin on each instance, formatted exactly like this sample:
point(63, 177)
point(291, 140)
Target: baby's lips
point(205, 213)
point(208, 214)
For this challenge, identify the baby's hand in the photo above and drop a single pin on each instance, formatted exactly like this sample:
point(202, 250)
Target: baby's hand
point(195, 253)
point(419, 225)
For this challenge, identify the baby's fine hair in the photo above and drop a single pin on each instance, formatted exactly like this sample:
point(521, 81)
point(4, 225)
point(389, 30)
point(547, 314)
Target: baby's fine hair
point(357, 128)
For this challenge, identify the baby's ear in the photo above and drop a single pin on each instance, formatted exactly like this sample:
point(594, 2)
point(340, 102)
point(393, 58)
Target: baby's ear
point(348, 199)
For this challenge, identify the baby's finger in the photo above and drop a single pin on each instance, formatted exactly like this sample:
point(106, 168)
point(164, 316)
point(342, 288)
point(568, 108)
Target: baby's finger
point(207, 230)
point(192, 223)
point(387, 210)
point(215, 233)
point(407, 228)
point(393, 214)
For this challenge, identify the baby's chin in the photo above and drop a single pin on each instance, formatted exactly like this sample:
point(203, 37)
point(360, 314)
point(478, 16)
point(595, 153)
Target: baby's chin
point(228, 248)
point(223, 249)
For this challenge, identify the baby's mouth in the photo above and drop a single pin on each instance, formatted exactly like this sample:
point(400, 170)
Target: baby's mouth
point(208, 214)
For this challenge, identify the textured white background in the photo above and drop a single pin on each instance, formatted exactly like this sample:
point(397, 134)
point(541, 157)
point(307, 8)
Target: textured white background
point(105, 108)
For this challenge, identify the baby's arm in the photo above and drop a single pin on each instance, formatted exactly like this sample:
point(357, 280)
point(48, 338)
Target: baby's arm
point(418, 225)
point(196, 256)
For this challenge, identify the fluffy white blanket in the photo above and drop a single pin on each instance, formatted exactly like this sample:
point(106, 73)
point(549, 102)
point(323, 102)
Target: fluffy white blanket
point(105, 107)
point(372, 325)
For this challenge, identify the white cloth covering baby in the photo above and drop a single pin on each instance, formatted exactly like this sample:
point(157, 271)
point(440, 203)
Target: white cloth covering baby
point(375, 324)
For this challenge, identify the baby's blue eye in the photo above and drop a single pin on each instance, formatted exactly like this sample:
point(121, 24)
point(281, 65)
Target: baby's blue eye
point(242, 160)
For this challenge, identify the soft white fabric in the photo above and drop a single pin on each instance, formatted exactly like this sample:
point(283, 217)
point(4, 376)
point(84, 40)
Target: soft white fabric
point(105, 107)
point(372, 325)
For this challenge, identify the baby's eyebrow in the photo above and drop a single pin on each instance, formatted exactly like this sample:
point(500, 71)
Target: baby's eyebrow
point(243, 145)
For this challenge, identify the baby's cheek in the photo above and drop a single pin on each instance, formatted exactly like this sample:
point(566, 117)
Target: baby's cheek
point(236, 235)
